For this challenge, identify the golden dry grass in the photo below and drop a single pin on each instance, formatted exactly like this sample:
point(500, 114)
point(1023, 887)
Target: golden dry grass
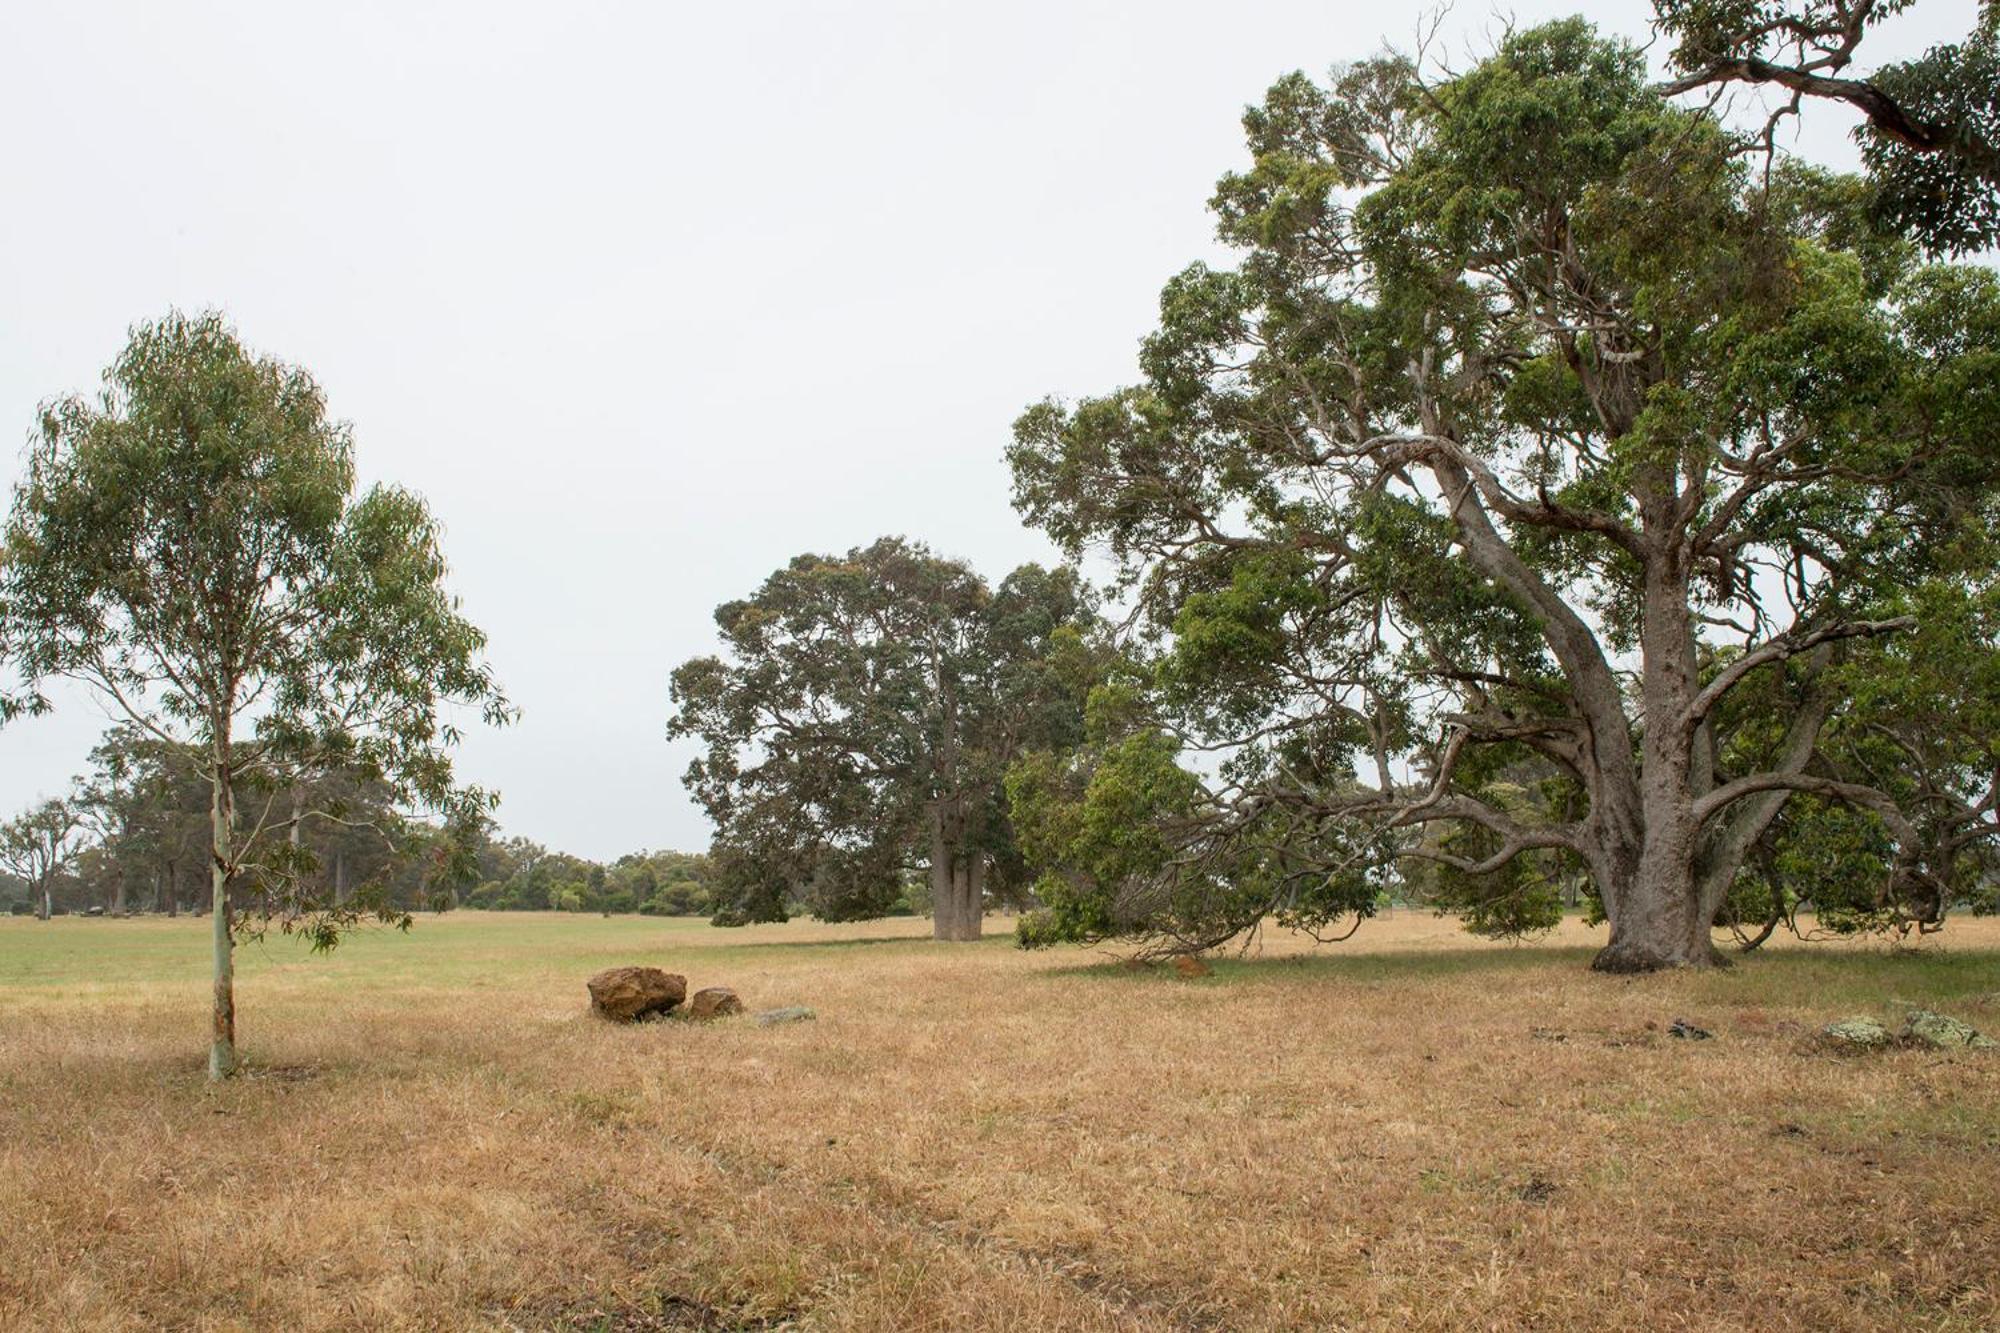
point(1410, 1130)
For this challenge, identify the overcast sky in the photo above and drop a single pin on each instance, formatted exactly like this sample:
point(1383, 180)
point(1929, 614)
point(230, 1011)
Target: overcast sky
point(645, 298)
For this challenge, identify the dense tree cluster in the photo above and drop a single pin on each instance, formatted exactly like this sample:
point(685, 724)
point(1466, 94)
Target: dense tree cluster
point(132, 836)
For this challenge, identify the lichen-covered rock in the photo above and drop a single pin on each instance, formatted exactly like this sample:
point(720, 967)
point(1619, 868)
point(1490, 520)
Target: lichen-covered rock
point(628, 994)
point(1940, 1031)
point(1859, 1033)
point(713, 1002)
point(797, 1013)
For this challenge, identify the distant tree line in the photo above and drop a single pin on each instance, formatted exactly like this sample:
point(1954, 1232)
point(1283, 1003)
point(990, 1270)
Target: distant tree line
point(132, 836)
point(518, 875)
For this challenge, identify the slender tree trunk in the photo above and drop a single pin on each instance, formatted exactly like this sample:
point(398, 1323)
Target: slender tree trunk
point(118, 895)
point(222, 1045)
point(48, 902)
point(340, 876)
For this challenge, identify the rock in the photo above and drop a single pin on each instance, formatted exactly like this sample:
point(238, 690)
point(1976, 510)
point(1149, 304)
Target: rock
point(714, 1002)
point(1939, 1031)
point(628, 994)
point(1687, 1031)
point(1860, 1033)
point(1190, 966)
point(797, 1013)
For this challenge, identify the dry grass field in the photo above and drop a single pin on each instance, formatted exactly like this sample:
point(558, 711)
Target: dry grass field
point(1409, 1130)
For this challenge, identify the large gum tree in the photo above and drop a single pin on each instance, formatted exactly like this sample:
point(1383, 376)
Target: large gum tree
point(189, 544)
point(1543, 423)
point(860, 725)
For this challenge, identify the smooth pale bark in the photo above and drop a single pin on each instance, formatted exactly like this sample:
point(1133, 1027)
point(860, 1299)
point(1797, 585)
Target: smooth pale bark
point(222, 1044)
point(944, 903)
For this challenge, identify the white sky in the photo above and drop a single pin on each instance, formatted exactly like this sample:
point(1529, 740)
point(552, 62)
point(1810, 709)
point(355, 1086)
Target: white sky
point(644, 298)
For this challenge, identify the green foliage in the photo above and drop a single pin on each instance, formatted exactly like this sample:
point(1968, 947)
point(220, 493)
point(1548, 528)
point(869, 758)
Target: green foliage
point(1521, 898)
point(1101, 832)
point(864, 716)
point(684, 897)
point(1533, 407)
point(1130, 845)
point(516, 874)
point(1930, 133)
point(38, 845)
point(1923, 726)
point(190, 543)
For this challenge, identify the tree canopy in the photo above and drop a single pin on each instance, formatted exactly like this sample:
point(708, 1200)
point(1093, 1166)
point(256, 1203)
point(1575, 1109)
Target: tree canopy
point(1930, 134)
point(1539, 429)
point(861, 724)
point(38, 844)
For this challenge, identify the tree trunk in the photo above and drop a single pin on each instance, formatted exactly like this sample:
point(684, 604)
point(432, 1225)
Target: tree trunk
point(118, 896)
point(1661, 925)
point(1660, 917)
point(969, 883)
point(944, 903)
point(1659, 914)
point(958, 878)
point(48, 902)
point(959, 893)
point(222, 1044)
